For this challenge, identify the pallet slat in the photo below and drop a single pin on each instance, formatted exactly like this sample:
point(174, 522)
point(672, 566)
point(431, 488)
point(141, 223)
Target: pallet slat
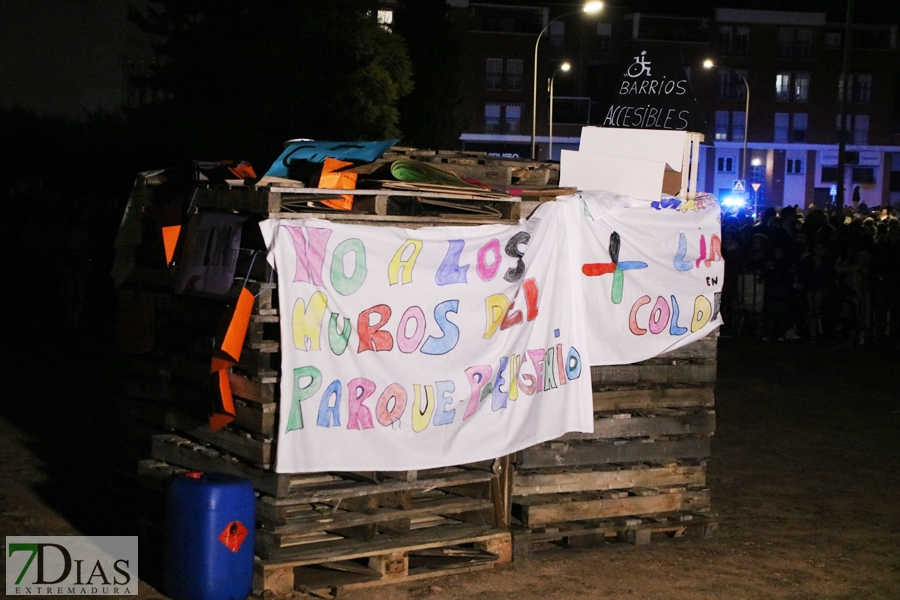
point(539, 482)
point(558, 509)
point(592, 453)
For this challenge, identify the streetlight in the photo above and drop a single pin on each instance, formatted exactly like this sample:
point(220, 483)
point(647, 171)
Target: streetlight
point(708, 64)
point(590, 8)
point(563, 67)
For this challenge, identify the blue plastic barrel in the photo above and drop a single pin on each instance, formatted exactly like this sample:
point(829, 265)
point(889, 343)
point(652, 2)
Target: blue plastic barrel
point(210, 525)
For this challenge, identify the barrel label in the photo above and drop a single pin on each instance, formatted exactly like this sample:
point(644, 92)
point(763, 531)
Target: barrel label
point(233, 535)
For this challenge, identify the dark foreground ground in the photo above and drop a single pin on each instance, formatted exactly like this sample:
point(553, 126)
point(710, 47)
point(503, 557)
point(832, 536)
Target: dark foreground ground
point(805, 478)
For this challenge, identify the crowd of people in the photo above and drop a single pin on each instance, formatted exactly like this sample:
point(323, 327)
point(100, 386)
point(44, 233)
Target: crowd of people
point(813, 275)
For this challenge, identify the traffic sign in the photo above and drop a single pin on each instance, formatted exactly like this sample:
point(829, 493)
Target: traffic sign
point(756, 185)
point(834, 190)
point(738, 186)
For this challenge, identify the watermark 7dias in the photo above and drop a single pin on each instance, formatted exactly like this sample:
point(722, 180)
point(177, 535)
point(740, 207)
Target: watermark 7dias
point(71, 565)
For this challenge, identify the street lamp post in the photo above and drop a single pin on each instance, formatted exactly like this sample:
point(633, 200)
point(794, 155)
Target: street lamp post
point(563, 67)
point(589, 8)
point(708, 64)
point(746, 132)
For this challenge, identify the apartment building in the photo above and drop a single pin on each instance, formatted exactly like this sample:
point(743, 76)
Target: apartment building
point(789, 62)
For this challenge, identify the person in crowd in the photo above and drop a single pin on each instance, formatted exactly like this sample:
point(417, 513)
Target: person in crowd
point(821, 273)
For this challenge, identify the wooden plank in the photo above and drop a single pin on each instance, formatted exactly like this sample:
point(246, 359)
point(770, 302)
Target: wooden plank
point(407, 222)
point(702, 423)
point(180, 451)
point(446, 504)
point(252, 391)
point(596, 453)
point(268, 507)
point(325, 579)
point(650, 399)
point(258, 365)
point(617, 528)
point(653, 374)
point(601, 508)
point(246, 198)
point(455, 533)
point(436, 191)
point(257, 451)
point(258, 418)
point(609, 479)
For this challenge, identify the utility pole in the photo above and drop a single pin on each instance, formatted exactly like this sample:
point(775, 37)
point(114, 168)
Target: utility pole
point(842, 130)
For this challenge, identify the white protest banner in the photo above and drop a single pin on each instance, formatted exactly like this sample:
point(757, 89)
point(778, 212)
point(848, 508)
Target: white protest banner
point(412, 349)
point(653, 274)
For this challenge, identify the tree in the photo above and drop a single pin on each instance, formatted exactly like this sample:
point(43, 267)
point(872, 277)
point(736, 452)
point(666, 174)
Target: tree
point(240, 77)
point(429, 115)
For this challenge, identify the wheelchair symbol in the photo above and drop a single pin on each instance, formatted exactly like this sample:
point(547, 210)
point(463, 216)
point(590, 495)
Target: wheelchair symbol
point(639, 67)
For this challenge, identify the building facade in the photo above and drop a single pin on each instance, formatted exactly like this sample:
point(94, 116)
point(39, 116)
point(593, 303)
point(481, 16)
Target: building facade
point(790, 63)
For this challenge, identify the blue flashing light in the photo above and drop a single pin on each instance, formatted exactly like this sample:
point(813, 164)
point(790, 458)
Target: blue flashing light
point(734, 200)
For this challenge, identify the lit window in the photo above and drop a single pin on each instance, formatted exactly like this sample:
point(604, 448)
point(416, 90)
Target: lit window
point(792, 85)
point(783, 85)
point(386, 18)
point(801, 86)
point(494, 72)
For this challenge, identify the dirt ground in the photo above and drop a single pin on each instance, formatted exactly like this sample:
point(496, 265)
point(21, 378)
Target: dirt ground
point(805, 479)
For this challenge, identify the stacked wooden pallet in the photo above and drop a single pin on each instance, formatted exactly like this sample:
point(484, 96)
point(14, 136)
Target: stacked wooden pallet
point(319, 531)
point(389, 202)
point(640, 474)
point(489, 169)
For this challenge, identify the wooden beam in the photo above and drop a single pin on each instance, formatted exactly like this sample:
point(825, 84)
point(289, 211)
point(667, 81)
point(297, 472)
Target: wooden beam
point(602, 508)
point(594, 453)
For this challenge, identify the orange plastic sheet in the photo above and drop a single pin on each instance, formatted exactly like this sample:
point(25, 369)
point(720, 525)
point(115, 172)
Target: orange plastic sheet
point(225, 413)
point(329, 179)
point(228, 354)
point(170, 241)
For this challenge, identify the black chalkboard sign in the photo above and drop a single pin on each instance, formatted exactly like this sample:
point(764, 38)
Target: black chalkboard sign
point(655, 93)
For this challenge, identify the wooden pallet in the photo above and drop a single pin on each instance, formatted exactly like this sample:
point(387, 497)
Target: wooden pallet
point(612, 533)
point(540, 509)
point(329, 513)
point(429, 205)
point(645, 457)
point(323, 571)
